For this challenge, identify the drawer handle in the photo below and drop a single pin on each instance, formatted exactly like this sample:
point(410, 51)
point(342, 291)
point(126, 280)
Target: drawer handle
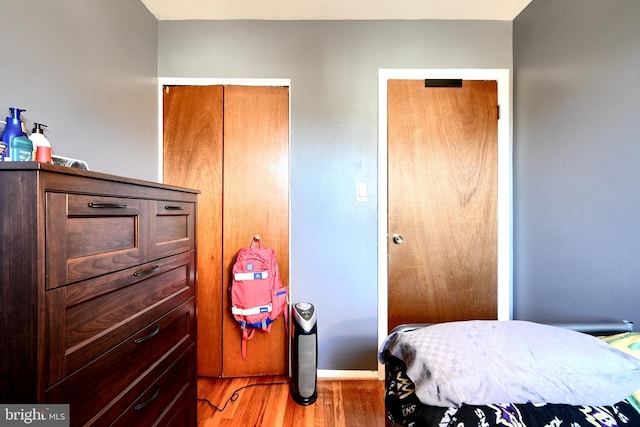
point(107, 205)
point(174, 208)
point(147, 271)
point(140, 406)
point(147, 337)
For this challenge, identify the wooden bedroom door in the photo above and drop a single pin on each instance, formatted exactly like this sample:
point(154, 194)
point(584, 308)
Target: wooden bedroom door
point(442, 202)
point(231, 143)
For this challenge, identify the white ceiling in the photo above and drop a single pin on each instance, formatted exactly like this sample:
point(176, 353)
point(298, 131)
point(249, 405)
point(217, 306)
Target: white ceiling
point(502, 10)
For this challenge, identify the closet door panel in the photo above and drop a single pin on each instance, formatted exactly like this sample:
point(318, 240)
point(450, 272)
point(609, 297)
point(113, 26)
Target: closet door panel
point(255, 201)
point(192, 157)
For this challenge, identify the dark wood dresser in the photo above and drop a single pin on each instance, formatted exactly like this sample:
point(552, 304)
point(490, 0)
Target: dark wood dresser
point(97, 295)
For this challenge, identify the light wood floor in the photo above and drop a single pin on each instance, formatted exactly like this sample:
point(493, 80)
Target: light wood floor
point(267, 402)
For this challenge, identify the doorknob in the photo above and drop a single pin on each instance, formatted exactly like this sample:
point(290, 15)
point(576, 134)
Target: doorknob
point(397, 238)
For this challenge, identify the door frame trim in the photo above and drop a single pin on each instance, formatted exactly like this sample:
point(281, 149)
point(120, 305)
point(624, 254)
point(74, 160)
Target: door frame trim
point(505, 184)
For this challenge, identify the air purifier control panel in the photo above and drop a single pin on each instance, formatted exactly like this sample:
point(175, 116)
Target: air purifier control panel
point(304, 314)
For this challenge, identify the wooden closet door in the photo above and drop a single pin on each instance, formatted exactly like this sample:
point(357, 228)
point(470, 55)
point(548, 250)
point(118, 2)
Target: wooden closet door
point(192, 157)
point(256, 201)
point(244, 192)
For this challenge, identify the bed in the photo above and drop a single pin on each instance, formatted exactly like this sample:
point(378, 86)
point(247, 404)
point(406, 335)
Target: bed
point(484, 373)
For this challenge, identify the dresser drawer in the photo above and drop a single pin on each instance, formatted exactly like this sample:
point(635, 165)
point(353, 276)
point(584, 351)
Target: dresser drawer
point(88, 318)
point(134, 365)
point(89, 235)
point(183, 413)
point(172, 228)
point(163, 403)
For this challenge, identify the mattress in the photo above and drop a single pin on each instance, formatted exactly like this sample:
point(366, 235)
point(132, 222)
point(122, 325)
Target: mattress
point(490, 373)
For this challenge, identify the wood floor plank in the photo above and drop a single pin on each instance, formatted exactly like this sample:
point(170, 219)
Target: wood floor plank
point(266, 401)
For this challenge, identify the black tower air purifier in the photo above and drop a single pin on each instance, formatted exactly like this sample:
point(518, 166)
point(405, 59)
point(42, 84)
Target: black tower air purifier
point(304, 354)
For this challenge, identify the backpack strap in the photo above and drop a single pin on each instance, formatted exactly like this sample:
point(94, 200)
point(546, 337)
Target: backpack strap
point(256, 242)
point(286, 319)
point(245, 336)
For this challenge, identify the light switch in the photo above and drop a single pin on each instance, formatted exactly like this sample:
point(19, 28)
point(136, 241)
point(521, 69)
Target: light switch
point(361, 192)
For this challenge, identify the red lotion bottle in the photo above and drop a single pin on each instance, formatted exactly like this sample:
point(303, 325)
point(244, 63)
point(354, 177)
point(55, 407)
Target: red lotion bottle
point(41, 144)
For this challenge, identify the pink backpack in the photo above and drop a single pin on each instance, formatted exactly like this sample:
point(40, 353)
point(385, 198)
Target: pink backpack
point(257, 295)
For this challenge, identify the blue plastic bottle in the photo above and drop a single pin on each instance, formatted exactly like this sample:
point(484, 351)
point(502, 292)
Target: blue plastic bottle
point(11, 129)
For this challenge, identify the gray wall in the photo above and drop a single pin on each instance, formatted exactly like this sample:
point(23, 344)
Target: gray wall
point(333, 67)
point(88, 70)
point(577, 148)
